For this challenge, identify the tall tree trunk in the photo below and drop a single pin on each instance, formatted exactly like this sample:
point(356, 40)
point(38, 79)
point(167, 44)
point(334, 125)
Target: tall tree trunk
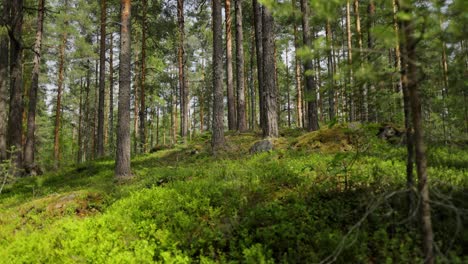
point(183, 87)
point(79, 156)
point(288, 90)
point(217, 142)
point(136, 106)
point(269, 85)
point(4, 82)
point(122, 161)
point(297, 71)
point(363, 108)
point(96, 106)
point(102, 81)
point(257, 9)
point(87, 108)
point(372, 103)
point(253, 106)
point(421, 161)
point(142, 113)
point(232, 124)
point(331, 84)
point(241, 106)
point(30, 140)
point(15, 121)
point(58, 107)
point(111, 93)
point(312, 114)
point(350, 64)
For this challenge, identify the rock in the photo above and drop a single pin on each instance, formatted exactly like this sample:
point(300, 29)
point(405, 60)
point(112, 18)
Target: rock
point(261, 146)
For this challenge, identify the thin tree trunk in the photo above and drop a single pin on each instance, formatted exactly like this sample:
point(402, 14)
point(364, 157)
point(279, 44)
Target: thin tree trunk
point(183, 87)
point(79, 155)
point(15, 121)
point(372, 103)
point(111, 93)
point(288, 90)
point(58, 107)
point(253, 112)
point(297, 67)
point(421, 161)
point(269, 85)
point(363, 107)
point(217, 142)
point(31, 123)
point(331, 82)
point(122, 162)
point(102, 81)
point(4, 82)
point(312, 114)
point(232, 124)
point(350, 64)
point(142, 113)
point(136, 105)
point(257, 9)
point(241, 106)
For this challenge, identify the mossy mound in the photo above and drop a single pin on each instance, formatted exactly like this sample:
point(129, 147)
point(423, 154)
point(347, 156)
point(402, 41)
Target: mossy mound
point(326, 140)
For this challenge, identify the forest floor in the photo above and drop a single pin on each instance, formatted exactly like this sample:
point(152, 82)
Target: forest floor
point(335, 195)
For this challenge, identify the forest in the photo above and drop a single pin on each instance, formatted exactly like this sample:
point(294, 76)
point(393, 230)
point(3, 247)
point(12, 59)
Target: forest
point(256, 131)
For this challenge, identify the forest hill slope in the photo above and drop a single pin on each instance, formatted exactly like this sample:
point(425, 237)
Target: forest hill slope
point(335, 194)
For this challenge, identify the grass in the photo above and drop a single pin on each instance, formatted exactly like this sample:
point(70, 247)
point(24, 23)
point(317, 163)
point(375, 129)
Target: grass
point(297, 204)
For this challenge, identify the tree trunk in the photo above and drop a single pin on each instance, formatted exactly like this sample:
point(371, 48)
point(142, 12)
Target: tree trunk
point(331, 82)
point(257, 9)
point(4, 82)
point(58, 107)
point(312, 114)
point(241, 106)
point(111, 93)
point(372, 103)
point(363, 108)
point(350, 65)
point(30, 140)
point(269, 86)
point(122, 161)
point(232, 124)
point(102, 81)
point(142, 113)
point(421, 161)
point(253, 112)
point(217, 142)
point(79, 156)
point(183, 87)
point(297, 67)
point(15, 121)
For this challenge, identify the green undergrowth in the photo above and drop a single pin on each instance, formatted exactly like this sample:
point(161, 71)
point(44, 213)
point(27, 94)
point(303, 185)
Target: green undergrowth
point(307, 201)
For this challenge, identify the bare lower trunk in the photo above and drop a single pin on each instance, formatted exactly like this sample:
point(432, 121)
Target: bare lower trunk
point(257, 8)
point(122, 162)
point(30, 140)
point(350, 65)
point(102, 81)
point(111, 93)
point(58, 107)
point(232, 124)
point(269, 85)
point(312, 113)
point(241, 106)
point(331, 85)
point(183, 87)
point(297, 72)
point(217, 141)
point(4, 83)
point(142, 113)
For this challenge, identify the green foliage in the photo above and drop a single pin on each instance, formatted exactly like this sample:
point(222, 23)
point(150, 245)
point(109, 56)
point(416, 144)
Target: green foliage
point(285, 206)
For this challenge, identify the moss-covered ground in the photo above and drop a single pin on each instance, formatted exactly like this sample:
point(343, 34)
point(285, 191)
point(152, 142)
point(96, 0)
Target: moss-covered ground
point(336, 195)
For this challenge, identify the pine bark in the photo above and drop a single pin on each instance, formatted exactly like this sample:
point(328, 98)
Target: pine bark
point(241, 105)
point(217, 142)
point(142, 113)
point(312, 113)
point(232, 123)
point(350, 64)
point(270, 130)
point(15, 121)
point(331, 84)
point(372, 116)
point(4, 82)
point(111, 92)
point(257, 9)
point(102, 81)
point(297, 72)
point(31, 123)
point(183, 87)
point(122, 163)
point(420, 149)
point(58, 106)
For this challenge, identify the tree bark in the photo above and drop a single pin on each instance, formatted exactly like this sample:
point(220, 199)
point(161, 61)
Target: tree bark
point(350, 64)
point(331, 85)
point(312, 114)
point(102, 81)
point(363, 108)
point(372, 116)
point(217, 142)
point(58, 107)
point(142, 113)
point(241, 106)
point(232, 123)
point(31, 125)
point(253, 106)
point(122, 162)
point(270, 130)
point(257, 9)
point(15, 121)
point(111, 93)
point(183, 87)
point(4, 82)
point(297, 67)
point(79, 156)
point(421, 161)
